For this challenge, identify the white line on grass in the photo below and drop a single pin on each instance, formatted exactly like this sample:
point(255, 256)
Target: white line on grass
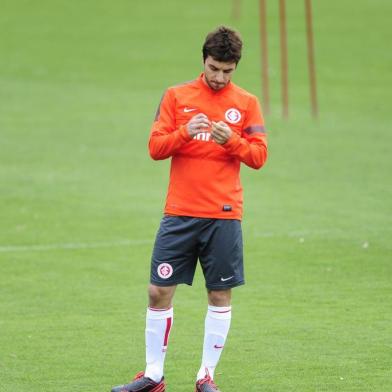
point(72, 246)
point(96, 245)
point(111, 244)
point(299, 233)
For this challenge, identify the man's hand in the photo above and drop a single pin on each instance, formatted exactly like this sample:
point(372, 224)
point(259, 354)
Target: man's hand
point(197, 124)
point(221, 132)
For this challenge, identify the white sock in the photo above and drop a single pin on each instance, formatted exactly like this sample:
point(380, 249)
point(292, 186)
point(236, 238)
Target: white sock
point(158, 326)
point(217, 325)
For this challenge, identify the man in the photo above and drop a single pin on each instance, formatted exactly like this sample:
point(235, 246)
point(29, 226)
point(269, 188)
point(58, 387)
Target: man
point(208, 127)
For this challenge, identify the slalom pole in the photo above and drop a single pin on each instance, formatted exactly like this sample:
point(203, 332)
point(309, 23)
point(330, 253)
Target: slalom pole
point(264, 56)
point(284, 59)
point(311, 62)
point(236, 9)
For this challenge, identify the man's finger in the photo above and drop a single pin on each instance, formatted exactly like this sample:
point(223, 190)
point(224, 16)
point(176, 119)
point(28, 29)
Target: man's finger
point(219, 125)
point(199, 116)
point(200, 123)
point(217, 135)
point(217, 131)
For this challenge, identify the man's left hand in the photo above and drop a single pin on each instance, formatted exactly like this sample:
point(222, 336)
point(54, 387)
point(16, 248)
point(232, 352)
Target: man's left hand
point(221, 132)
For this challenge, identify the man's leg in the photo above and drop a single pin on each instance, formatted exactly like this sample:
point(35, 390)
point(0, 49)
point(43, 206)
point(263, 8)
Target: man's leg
point(159, 320)
point(217, 325)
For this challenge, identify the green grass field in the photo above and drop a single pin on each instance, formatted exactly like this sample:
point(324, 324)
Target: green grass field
point(80, 199)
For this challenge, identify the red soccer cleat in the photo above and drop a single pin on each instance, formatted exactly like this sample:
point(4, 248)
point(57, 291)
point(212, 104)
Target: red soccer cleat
point(206, 384)
point(141, 384)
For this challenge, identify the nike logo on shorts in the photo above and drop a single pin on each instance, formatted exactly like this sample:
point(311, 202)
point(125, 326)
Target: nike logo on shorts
point(225, 279)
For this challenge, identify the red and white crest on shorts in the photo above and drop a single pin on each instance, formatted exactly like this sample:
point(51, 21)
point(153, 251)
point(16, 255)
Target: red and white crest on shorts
point(165, 270)
point(233, 116)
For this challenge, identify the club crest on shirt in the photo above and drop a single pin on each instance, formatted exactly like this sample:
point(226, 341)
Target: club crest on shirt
point(233, 116)
point(165, 270)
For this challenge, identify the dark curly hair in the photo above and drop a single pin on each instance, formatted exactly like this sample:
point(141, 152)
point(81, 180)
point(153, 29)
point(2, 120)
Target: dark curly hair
point(223, 44)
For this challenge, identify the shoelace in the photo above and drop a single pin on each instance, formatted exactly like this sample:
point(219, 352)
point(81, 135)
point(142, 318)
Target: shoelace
point(207, 380)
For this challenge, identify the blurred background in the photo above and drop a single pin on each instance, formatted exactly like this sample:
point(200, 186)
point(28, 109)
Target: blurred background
point(80, 199)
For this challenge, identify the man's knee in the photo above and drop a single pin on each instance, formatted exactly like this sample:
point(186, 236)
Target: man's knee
point(160, 297)
point(219, 297)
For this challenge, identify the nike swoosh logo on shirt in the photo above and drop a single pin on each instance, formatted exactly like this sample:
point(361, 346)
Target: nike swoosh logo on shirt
point(187, 110)
point(224, 279)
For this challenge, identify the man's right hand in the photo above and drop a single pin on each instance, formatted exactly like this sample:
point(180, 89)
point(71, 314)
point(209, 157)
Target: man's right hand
point(197, 124)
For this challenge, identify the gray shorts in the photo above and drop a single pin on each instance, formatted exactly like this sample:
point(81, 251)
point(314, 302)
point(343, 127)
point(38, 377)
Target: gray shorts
point(181, 241)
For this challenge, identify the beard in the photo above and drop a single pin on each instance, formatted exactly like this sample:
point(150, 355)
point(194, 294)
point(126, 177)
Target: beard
point(215, 85)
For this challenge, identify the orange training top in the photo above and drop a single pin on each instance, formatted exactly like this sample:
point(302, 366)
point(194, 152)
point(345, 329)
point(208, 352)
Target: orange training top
point(204, 175)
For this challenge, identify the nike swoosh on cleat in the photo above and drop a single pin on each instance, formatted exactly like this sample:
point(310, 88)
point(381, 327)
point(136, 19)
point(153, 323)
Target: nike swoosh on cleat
point(224, 279)
point(187, 110)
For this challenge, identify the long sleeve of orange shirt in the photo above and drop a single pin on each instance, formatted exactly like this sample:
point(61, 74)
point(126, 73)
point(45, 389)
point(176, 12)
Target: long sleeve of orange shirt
point(165, 138)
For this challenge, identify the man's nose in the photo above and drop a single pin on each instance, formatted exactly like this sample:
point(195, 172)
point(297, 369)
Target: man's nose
point(219, 77)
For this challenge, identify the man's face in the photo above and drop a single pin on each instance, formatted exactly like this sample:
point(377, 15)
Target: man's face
point(217, 74)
